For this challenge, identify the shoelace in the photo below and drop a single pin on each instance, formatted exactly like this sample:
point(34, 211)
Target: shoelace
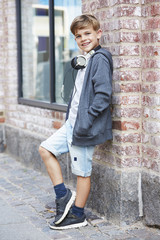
point(58, 210)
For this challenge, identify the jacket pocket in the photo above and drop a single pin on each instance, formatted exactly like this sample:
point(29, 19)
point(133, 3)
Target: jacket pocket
point(83, 122)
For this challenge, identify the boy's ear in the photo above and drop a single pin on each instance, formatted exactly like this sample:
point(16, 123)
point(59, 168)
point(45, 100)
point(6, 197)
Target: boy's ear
point(99, 33)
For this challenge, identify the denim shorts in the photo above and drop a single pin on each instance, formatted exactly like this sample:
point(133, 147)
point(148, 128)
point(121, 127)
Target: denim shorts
point(61, 142)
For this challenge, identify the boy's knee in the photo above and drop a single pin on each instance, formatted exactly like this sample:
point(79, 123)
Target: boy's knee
point(43, 152)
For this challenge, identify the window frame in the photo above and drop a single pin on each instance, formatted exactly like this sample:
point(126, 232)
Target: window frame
point(52, 105)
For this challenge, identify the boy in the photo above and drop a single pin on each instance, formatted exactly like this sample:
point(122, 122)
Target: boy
point(88, 124)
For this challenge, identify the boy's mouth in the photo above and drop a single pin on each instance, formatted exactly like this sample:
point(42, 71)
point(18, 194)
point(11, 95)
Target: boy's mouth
point(85, 44)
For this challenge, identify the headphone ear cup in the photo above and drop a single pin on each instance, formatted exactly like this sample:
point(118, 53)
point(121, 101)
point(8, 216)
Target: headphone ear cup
point(75, 65)
point(73, 62)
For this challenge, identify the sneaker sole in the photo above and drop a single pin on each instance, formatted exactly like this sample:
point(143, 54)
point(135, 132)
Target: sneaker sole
point(68, 206)
point(76, 225)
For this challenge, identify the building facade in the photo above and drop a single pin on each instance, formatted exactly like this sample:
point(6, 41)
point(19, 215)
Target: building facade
point(35, 48)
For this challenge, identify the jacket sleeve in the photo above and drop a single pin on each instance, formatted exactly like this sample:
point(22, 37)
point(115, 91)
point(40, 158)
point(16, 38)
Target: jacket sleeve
point(102, 82)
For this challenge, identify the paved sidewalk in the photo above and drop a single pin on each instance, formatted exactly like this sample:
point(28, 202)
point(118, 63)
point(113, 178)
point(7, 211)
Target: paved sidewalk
point(27, 204)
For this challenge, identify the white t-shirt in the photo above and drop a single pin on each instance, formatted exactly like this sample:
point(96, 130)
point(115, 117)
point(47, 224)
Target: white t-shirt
point(76, 96)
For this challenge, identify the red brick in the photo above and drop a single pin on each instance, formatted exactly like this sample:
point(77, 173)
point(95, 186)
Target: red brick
point(145, 88)
point(155, 166)
point(2, 119)
point(154, 88)
point(130, 63)
point(127, 11)
point(155, 37)
point(128, 162)
point(124, 138)
point(108, 38)
point(93, 6)
point(133, 150)
point(126, 125)
point(150, 51)
point(147, 101)
point(103, 15)
point(126, 112)
point(145, 37)
point(132, 75)
point(53, 114)
point(57, 124)
point(151, 76)
point(130, 37)
point(57, 115)
point(131, 24)
point(155, 9)
point(115, 50)
point(151, 63)
point(129, 50)
point(150, 164)
point(125, 100)
point(129, 87)
point(85, 8)
point(103, 3)
point(145, 11)
point(151, 24)
point(151, 152)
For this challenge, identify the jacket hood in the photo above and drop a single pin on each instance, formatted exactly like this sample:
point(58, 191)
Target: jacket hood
point(107, 54)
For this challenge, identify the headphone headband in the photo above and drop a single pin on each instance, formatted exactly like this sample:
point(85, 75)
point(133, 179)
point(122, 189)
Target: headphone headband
point(81, 61)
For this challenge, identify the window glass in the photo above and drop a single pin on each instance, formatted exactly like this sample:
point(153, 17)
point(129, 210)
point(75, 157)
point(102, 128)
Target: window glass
point(35, 49)
point(65, 46)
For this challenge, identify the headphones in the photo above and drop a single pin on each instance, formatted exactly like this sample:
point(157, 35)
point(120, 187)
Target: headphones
point(80, 61)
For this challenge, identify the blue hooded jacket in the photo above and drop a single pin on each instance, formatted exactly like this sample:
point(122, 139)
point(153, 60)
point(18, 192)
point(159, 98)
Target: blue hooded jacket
point(93, 123)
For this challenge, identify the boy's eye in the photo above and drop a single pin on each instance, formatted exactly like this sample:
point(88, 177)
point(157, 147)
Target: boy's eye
point(78, 36)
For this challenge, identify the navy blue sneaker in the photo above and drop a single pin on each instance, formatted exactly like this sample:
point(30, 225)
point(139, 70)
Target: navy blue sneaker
point(63, 205)
point(71, 221)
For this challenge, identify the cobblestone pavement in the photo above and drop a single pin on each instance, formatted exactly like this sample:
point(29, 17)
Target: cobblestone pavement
point(27, 204)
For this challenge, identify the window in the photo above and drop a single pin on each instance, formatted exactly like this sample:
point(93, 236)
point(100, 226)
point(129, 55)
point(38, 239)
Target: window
point(45, 49)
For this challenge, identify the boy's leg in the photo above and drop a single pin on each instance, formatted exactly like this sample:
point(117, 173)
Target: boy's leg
point(67, 197)
point(81, 166)
point(52, 166)
point(56, 145)
point(83, 190)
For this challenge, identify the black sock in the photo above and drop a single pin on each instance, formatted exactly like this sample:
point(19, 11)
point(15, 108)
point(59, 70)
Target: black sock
point(77, 211)
point(60, 190)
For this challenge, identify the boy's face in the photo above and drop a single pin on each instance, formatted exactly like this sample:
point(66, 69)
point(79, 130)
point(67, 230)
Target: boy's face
point(87, 38)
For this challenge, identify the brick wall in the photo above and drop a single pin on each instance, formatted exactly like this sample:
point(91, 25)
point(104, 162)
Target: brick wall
point(150, 52)
point(151, 85)
point(131, 33)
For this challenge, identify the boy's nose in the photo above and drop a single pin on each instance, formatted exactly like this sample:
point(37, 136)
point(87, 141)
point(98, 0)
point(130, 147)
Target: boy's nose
point(83, 37)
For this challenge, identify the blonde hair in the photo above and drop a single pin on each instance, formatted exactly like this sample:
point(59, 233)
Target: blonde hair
point(84, 21)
